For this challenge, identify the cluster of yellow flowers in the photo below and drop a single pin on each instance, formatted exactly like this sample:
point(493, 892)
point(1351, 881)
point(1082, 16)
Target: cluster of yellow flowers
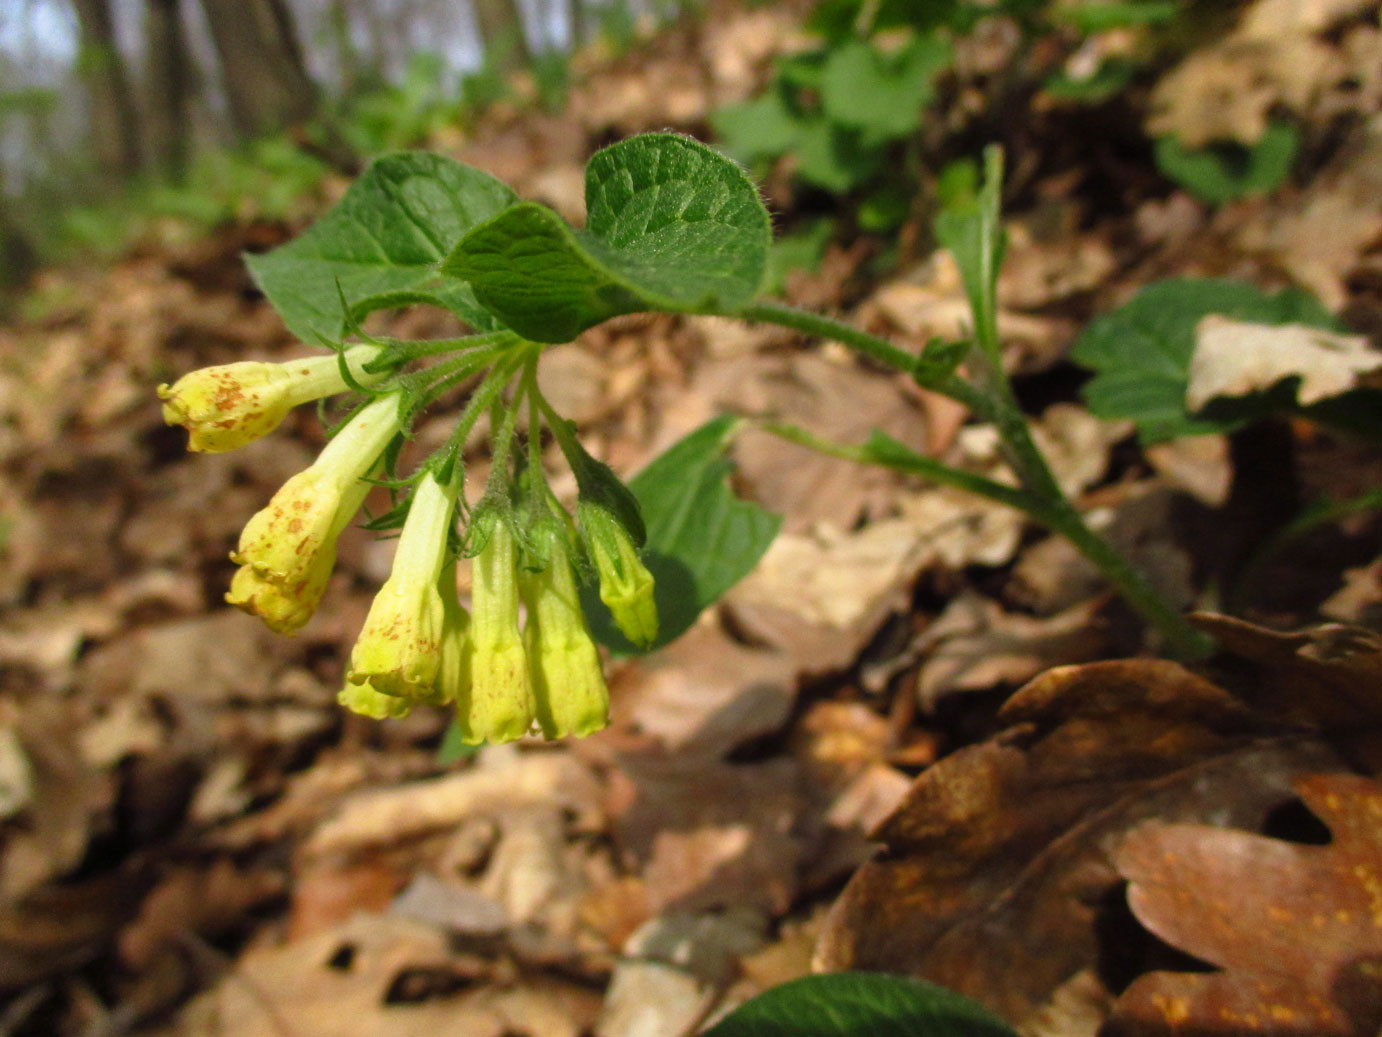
point(418, 644)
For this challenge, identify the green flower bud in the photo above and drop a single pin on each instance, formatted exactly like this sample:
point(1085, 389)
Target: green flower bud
point(568, 681)
point(499, 706)
point(626, 585)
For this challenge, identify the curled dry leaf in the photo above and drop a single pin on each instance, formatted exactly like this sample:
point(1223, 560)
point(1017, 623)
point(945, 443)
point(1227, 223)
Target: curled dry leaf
point(1296, 929)
point(994, 867)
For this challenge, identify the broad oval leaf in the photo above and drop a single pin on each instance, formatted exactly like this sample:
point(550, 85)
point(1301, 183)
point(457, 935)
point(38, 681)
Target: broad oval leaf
point(1141, 352)
point(860, 1004)
point(701, 539)
point(671, 225)
point(383, 240)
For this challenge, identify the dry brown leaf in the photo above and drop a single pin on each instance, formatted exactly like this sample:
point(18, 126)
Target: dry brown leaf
point(1274, 57)
point(505, 779)
point(341, 983)
point(975, 645)
point(674, 970)
point(707, 834)
point(1319, 236)
point(1296, 929)
point(994, 867)
point(1359, 600)
point(706, 693)
point(1328, 677)
point(1235, 358)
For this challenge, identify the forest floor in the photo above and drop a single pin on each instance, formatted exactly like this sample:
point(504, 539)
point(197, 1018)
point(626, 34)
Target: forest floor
point(199, 841)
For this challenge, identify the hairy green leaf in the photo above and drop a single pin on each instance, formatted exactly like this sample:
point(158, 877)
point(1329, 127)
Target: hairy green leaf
point(1141, 352)
point(702, 540)
point(671, 225)
point(860, 1004)
point(385, 237)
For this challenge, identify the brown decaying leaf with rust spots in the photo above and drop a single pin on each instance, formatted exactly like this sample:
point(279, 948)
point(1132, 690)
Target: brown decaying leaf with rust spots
point(1329, 677)
point(1297, 929)
point(994, 867)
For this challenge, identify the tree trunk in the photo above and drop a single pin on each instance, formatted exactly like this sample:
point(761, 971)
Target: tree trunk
point(576, 27)
point(169, 116)
point(501, 32)
point(262, 70)
point(114, 128)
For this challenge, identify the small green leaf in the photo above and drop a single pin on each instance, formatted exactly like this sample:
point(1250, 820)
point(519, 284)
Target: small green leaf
point(835, 158)
point(702, 540)
point(1226, 172)
point(397, 221)
point(801, 249)
point(882, 94)
point(1141, 352)
point(764, 127)
point(972, 229)
point(860, 1004)
point(1092, 18)
point(671, 225)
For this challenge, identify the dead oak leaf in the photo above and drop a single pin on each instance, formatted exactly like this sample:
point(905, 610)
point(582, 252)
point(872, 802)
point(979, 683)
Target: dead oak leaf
point(1236, 358)
point(1297, 929)
point(995, 865)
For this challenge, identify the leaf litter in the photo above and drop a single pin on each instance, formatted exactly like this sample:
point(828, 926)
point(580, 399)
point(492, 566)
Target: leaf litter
point(195, 832)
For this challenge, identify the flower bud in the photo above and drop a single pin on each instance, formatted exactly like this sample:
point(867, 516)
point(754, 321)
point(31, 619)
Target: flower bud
point(399, 649)
point(453, 675)
point(287, 550)
point(568, 681)
point(499, 704)
point(626, 585)
point(227, 406)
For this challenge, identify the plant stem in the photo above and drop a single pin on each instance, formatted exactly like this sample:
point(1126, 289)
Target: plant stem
point(1040, 497)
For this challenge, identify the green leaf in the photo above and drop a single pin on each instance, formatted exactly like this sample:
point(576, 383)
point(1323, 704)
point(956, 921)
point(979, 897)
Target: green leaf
point(1141, 352)
point(671, 225)
point(397, 221)
point(1092, 18)
point(802, 249)
point(702, 540)
point(882, 94)
point(1226, 172)
point(764, 127)
point(972, 229)
point(860, 1004)
point(835, 158)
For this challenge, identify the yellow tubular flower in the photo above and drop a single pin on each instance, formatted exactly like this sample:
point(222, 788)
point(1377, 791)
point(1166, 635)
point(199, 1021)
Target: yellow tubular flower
point(568, 681)
point(399, 649)
point(453, 676)
point(626, 585)
point(227, 406)
point(499, 706)
point(287, 550)
point(363, 699)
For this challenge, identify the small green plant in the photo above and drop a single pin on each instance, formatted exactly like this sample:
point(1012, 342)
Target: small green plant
point(1226, 172)
point(672, 226)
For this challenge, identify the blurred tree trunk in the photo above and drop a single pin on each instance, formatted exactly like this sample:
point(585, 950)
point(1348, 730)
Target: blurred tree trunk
point(18, 256)
point(169, 117)
point(575, 21)
point(501, 32)
point(114, 127)
point(262, 69)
